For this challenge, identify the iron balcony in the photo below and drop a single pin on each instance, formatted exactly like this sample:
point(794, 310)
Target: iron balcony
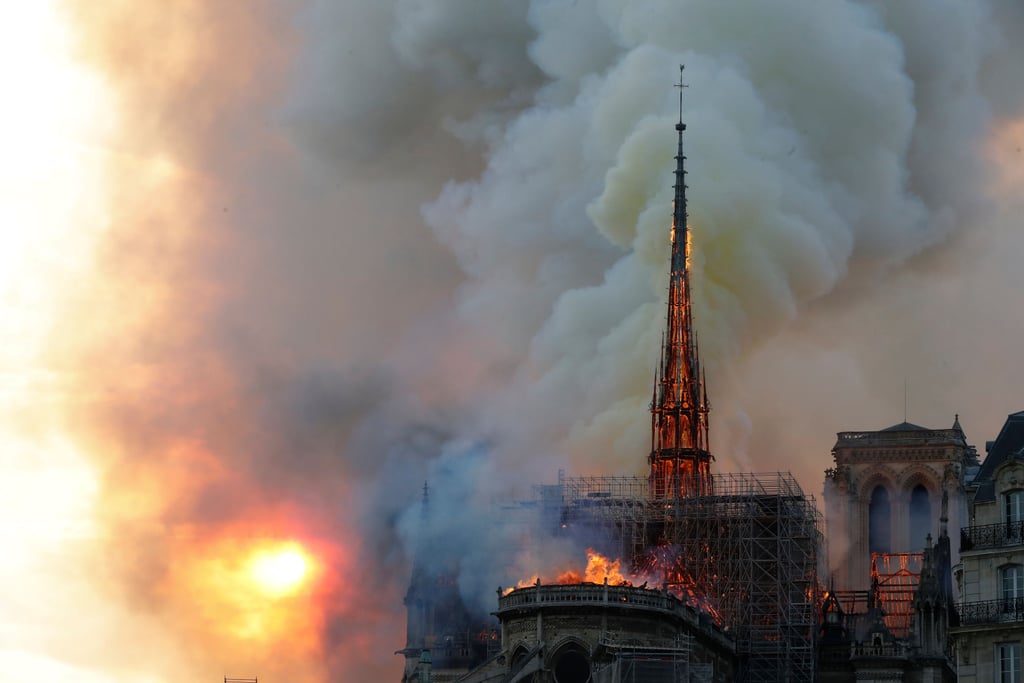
point(991, 536)
point(1007, 610)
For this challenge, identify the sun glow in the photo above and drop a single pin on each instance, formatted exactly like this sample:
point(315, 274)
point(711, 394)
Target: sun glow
point(280, 572)
point(250, 588)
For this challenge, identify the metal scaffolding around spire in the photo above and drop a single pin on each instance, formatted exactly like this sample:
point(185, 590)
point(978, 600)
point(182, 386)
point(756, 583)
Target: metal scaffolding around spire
point(680, 461)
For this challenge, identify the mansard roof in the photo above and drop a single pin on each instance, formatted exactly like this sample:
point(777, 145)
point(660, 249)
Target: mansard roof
point(1009, 442)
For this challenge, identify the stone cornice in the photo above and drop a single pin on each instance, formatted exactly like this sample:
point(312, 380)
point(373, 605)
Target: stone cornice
point(854, 456)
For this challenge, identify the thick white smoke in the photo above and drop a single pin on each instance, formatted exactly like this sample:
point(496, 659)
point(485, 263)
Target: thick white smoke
point(824, 140)
point(828, 143)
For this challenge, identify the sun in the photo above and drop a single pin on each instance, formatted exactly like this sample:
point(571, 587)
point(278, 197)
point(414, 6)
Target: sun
point(281, 571)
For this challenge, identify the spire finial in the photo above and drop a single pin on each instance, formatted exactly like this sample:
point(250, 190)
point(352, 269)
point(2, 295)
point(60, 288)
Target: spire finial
point(681, 126)
point(425, 506)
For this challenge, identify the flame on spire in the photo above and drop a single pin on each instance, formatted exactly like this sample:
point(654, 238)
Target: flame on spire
point(680, 460)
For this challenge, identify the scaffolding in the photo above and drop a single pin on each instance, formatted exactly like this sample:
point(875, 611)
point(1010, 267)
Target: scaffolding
point(749, 554)
point(635, 664)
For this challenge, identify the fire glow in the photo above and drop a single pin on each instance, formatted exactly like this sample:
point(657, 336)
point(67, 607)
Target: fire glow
point(255, 589)
point(599, 569)
point(281, 571)
point(662, 574)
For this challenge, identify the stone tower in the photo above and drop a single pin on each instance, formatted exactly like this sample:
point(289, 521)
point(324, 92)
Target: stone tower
point(442, 640)
point(884, 492)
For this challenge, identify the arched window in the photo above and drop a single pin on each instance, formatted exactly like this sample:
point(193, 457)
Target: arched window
point(920, 517)
point(879, 525)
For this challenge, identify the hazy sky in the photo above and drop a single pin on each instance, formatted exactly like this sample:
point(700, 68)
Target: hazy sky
point(265, 267)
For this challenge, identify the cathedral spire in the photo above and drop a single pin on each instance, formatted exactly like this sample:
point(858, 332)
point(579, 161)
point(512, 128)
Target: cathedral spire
point(680, 460)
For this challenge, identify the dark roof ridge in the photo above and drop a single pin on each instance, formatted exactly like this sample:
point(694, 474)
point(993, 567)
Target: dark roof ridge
point(1010, 440)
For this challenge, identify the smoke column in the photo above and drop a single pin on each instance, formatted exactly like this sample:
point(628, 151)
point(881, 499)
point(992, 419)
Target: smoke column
point(330, 250)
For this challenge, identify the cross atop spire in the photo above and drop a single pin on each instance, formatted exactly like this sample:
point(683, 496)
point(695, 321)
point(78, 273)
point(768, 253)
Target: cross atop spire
point(681, 126)
point(680, 461)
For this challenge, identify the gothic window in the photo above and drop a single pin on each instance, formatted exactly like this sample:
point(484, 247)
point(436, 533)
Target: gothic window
point(879, 526)
point(1008, 656)
point(920, 517)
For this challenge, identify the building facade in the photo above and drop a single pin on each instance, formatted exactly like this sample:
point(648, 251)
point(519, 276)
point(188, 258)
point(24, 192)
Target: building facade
point(990, 634)
point(890, 498)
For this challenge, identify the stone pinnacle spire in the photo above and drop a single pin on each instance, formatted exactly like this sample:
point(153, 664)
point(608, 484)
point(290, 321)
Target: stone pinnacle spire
point(680, 460)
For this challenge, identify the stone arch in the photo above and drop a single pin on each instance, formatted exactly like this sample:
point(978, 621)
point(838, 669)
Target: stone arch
point(519, 653)
point(877, 476)
point(569, 641)
point(569, 661)
point(920, 475)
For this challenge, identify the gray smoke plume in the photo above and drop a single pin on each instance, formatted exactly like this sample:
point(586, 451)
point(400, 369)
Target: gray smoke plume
point(828, 145)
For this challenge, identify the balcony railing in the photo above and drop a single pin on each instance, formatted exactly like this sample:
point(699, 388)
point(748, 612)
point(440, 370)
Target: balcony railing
point(991, 536)
point(1008, 610)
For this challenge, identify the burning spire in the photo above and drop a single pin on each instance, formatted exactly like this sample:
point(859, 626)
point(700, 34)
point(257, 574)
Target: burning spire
point(680, 461)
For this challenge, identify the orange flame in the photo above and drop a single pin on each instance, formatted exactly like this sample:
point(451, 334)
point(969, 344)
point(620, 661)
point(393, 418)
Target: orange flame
point(662, 571)
point(598, 570)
